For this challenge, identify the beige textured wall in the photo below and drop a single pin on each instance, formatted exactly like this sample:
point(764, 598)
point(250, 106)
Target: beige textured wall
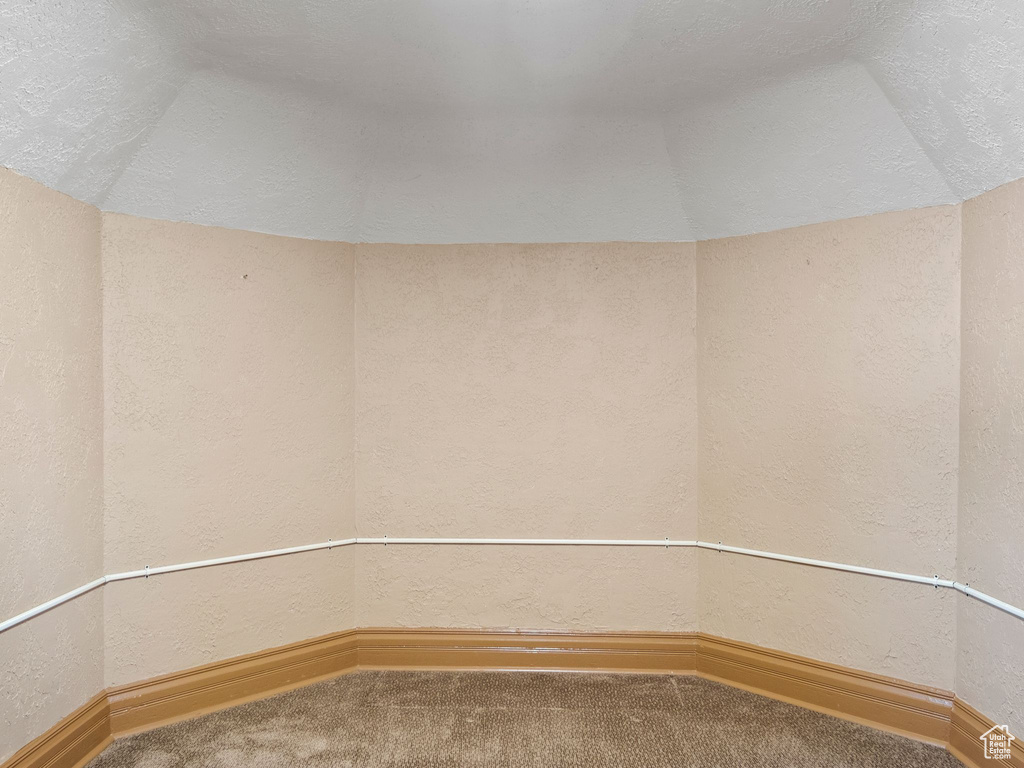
point(505, 391)
point(51, 411)
point(990, 657)
point(526, 391)
point(228, 366)
point(828, 409)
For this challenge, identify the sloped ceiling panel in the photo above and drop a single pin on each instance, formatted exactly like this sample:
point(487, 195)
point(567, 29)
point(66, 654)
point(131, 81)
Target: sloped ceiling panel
point(232, 153)
point(954, 71)
point(81, 84)
point(820, 145)
point(520, 179)
point(416, 56)
point(512, 120)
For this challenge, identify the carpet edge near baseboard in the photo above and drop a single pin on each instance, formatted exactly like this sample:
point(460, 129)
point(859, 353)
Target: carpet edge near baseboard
point(908, 709)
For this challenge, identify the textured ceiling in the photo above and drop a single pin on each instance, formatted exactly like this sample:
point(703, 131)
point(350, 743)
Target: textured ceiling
point(437, 55)
point(512, 120)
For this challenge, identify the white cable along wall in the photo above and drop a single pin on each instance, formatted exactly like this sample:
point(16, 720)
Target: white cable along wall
point(933, 581)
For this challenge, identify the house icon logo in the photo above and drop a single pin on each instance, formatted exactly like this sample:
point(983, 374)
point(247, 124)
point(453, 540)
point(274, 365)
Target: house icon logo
point(997, 742)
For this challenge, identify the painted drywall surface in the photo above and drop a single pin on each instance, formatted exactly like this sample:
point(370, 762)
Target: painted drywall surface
point(228, 367)
point(51, 454)
point(559, 588)
point(49, 667)
point(991, 644)
point(905, 631)
point(525, 391)
point(164, 624)
point(83, 81)
point(822, 144)
point(828, 410)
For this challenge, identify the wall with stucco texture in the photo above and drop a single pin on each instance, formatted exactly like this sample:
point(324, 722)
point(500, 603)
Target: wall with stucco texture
point(546, 390)
point(828, 409)
point(990, 675)
point(526, 391)
point(228, 368)
point(51, 453)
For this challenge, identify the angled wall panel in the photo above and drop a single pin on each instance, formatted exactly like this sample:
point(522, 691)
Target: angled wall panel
point(991, 644)
point(542, 391)
point(51, 455)
point(228, 399)
point(828, 405)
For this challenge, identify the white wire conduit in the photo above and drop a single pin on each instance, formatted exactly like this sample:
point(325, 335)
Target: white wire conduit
point(933, 581)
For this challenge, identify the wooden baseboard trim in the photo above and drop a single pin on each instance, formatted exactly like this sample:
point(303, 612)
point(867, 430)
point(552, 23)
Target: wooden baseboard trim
point(72, 742)
point(181, 695)
point(966, 729)
point(917, 711)
point(488, 649)
point(886, 703)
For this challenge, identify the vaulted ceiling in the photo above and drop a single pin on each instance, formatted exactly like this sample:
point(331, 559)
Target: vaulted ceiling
point(512, 120)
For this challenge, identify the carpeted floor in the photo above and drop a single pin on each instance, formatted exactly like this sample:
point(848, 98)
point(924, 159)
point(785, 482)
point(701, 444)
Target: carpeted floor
point(393, 718)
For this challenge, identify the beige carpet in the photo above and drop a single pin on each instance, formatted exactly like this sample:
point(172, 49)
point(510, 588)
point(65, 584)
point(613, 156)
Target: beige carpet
point(518, 719)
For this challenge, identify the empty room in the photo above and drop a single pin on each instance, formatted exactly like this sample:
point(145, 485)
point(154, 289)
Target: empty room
point(543, 383)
